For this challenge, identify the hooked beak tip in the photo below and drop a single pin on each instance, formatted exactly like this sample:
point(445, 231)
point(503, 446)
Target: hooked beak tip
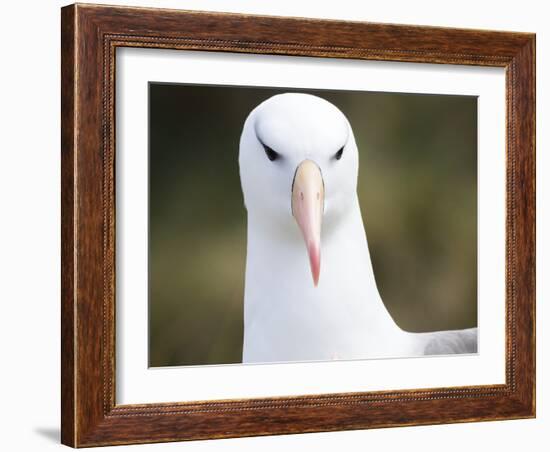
point(315, 262)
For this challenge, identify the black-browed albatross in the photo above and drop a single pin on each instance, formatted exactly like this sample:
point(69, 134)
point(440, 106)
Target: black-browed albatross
point(298, 165)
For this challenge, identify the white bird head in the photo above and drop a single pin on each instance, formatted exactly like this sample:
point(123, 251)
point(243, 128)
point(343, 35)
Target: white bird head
point(298, 166)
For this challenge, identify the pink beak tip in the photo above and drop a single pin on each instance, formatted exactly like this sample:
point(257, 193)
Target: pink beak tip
point(315, 281)
point(315, 263)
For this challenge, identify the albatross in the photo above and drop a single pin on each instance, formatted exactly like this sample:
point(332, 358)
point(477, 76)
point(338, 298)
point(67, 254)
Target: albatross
point(310, 289)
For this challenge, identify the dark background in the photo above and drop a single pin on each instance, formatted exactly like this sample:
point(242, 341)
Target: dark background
point(417, 190)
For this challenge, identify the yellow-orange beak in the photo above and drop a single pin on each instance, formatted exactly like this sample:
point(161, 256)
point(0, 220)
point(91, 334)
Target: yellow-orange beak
point(308, 197)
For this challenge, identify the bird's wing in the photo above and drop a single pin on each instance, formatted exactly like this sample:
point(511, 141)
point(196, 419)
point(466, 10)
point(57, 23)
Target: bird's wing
point(450, 342)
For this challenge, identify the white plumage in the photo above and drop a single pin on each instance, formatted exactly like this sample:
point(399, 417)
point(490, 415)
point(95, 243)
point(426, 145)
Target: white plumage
point(310, 291)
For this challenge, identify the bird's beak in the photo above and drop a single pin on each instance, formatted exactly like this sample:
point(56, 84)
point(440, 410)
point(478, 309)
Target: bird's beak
point(308, 197)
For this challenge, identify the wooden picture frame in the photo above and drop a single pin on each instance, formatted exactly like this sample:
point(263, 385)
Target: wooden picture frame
point(90, 35)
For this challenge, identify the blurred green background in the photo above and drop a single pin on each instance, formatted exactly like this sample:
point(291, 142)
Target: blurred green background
point(418, 195)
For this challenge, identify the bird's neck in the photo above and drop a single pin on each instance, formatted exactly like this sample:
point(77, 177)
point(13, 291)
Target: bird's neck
point(281, 300)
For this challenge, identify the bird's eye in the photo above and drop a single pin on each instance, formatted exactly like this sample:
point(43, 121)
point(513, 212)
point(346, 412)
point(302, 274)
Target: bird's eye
point(338, 155)
point(271, 154)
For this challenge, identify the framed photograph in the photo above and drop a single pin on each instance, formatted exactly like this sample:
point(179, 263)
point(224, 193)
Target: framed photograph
point(281, 225)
